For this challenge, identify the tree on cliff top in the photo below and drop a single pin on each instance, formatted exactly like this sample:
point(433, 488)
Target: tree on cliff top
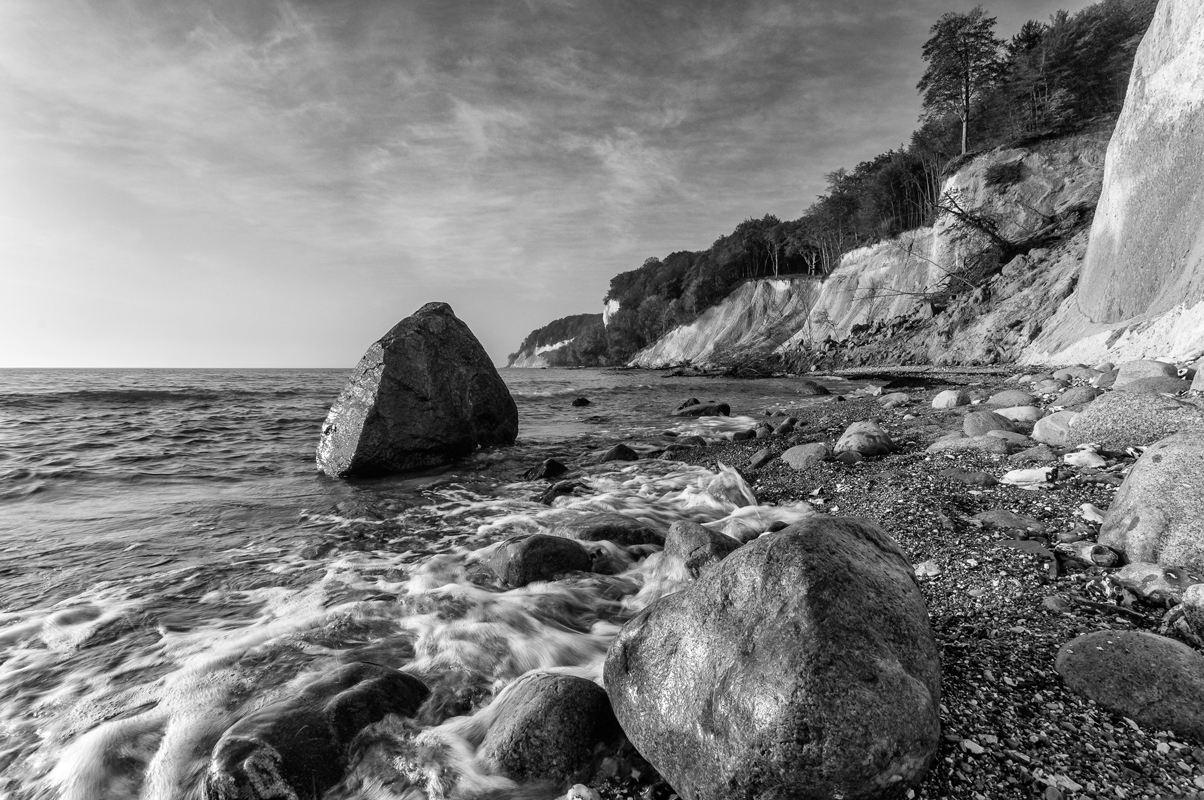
point(963, 58)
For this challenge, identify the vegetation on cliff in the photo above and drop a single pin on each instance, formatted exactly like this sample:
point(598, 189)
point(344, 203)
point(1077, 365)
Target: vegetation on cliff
point(585, 336)
point(1049, 80)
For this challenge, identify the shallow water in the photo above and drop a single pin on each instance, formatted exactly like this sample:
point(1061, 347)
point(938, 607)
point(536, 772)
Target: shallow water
point(170, 560)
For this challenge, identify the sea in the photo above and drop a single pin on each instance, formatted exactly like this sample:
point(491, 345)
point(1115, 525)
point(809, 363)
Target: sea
point(171, 560)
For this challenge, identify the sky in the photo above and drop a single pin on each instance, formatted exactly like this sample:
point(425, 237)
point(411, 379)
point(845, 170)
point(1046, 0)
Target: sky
point(276, 183)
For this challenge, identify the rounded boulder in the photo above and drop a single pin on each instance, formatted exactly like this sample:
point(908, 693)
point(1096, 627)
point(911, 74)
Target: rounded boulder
point(866, 439)
point(1133, 419)
point(538, 557)
point(1157, 514)
point(803, 665)
point(548, 727)
point(1155, 681)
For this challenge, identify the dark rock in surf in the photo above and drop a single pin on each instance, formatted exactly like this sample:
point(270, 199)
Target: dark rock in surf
point(548, 470)
point(809, 388)
point(547, 727)
point(802, 665)
point(539, 557)
point(698, 547)
point(704, 410)
point(423, 395)
point(558, 489)
point(580, 402)
point(620, 452)
point(297, 747)
point(692, 401)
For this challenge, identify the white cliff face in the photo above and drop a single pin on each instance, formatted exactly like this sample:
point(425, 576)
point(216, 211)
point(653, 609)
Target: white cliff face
point(1142, 287)
point(609, 309)
point(751, 320)
point(893, 279)
point(536, 359)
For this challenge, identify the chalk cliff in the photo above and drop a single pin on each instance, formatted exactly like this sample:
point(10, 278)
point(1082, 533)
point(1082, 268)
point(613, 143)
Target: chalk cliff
point(558, 343)
point(887, 302)
point(1142, 286)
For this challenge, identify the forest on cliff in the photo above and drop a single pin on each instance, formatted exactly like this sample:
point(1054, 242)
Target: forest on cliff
point(1049, 80)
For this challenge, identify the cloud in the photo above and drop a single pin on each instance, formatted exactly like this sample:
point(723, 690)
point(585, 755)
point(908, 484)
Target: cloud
point(376, 149)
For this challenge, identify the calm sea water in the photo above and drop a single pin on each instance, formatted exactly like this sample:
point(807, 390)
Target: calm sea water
point(171, 559)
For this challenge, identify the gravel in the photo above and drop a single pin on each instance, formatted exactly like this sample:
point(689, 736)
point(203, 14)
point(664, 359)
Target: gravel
point(1011, 729)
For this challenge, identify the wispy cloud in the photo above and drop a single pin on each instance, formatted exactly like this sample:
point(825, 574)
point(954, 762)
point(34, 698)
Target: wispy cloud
point(333, 152)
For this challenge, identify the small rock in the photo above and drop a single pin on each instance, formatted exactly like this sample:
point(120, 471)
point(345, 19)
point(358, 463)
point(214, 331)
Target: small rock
point(1077, 396)
point(578, 402)
point(703, 410)
point(599, 526)
point(849, 457)
point(1029, 478)
point(1054, 429)
point(928, 569)
point(968, 478)
point(1002, 519)
point(1087, 459)
point(549, 469)
point(760, 458)
point(809, 388)
point(894, 400)
point(1041, 454)
point(1156, 584)
point(743, 436)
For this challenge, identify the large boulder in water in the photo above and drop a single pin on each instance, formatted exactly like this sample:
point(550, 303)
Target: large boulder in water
point(297, 747)
point(424, 394)
point(802, 665)
point(1158, 512)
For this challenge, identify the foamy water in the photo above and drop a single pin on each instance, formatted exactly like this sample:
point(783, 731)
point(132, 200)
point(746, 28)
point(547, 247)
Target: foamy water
point(172, 561)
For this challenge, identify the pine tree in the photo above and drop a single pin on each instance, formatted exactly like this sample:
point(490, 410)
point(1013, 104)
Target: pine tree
point(964, 59)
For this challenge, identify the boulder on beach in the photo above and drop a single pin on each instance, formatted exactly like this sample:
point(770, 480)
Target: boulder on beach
point(1155, 681)
point(1132, 371)
point(802, 665)
point(979, 423)
point(1157, 514)
point(1054, 430)
point(802, 456)
point(591, 526)
point(424, 394)
point(864, 438)
point(958, 443)
point(1118, 420)
point(1028, 414)
point(951, 398)
point(1156, 385)
point(698, 547)
point(297, 747)
point(1076, 396)
point(548, 728)
point(1009, 398)
point(538, 557)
